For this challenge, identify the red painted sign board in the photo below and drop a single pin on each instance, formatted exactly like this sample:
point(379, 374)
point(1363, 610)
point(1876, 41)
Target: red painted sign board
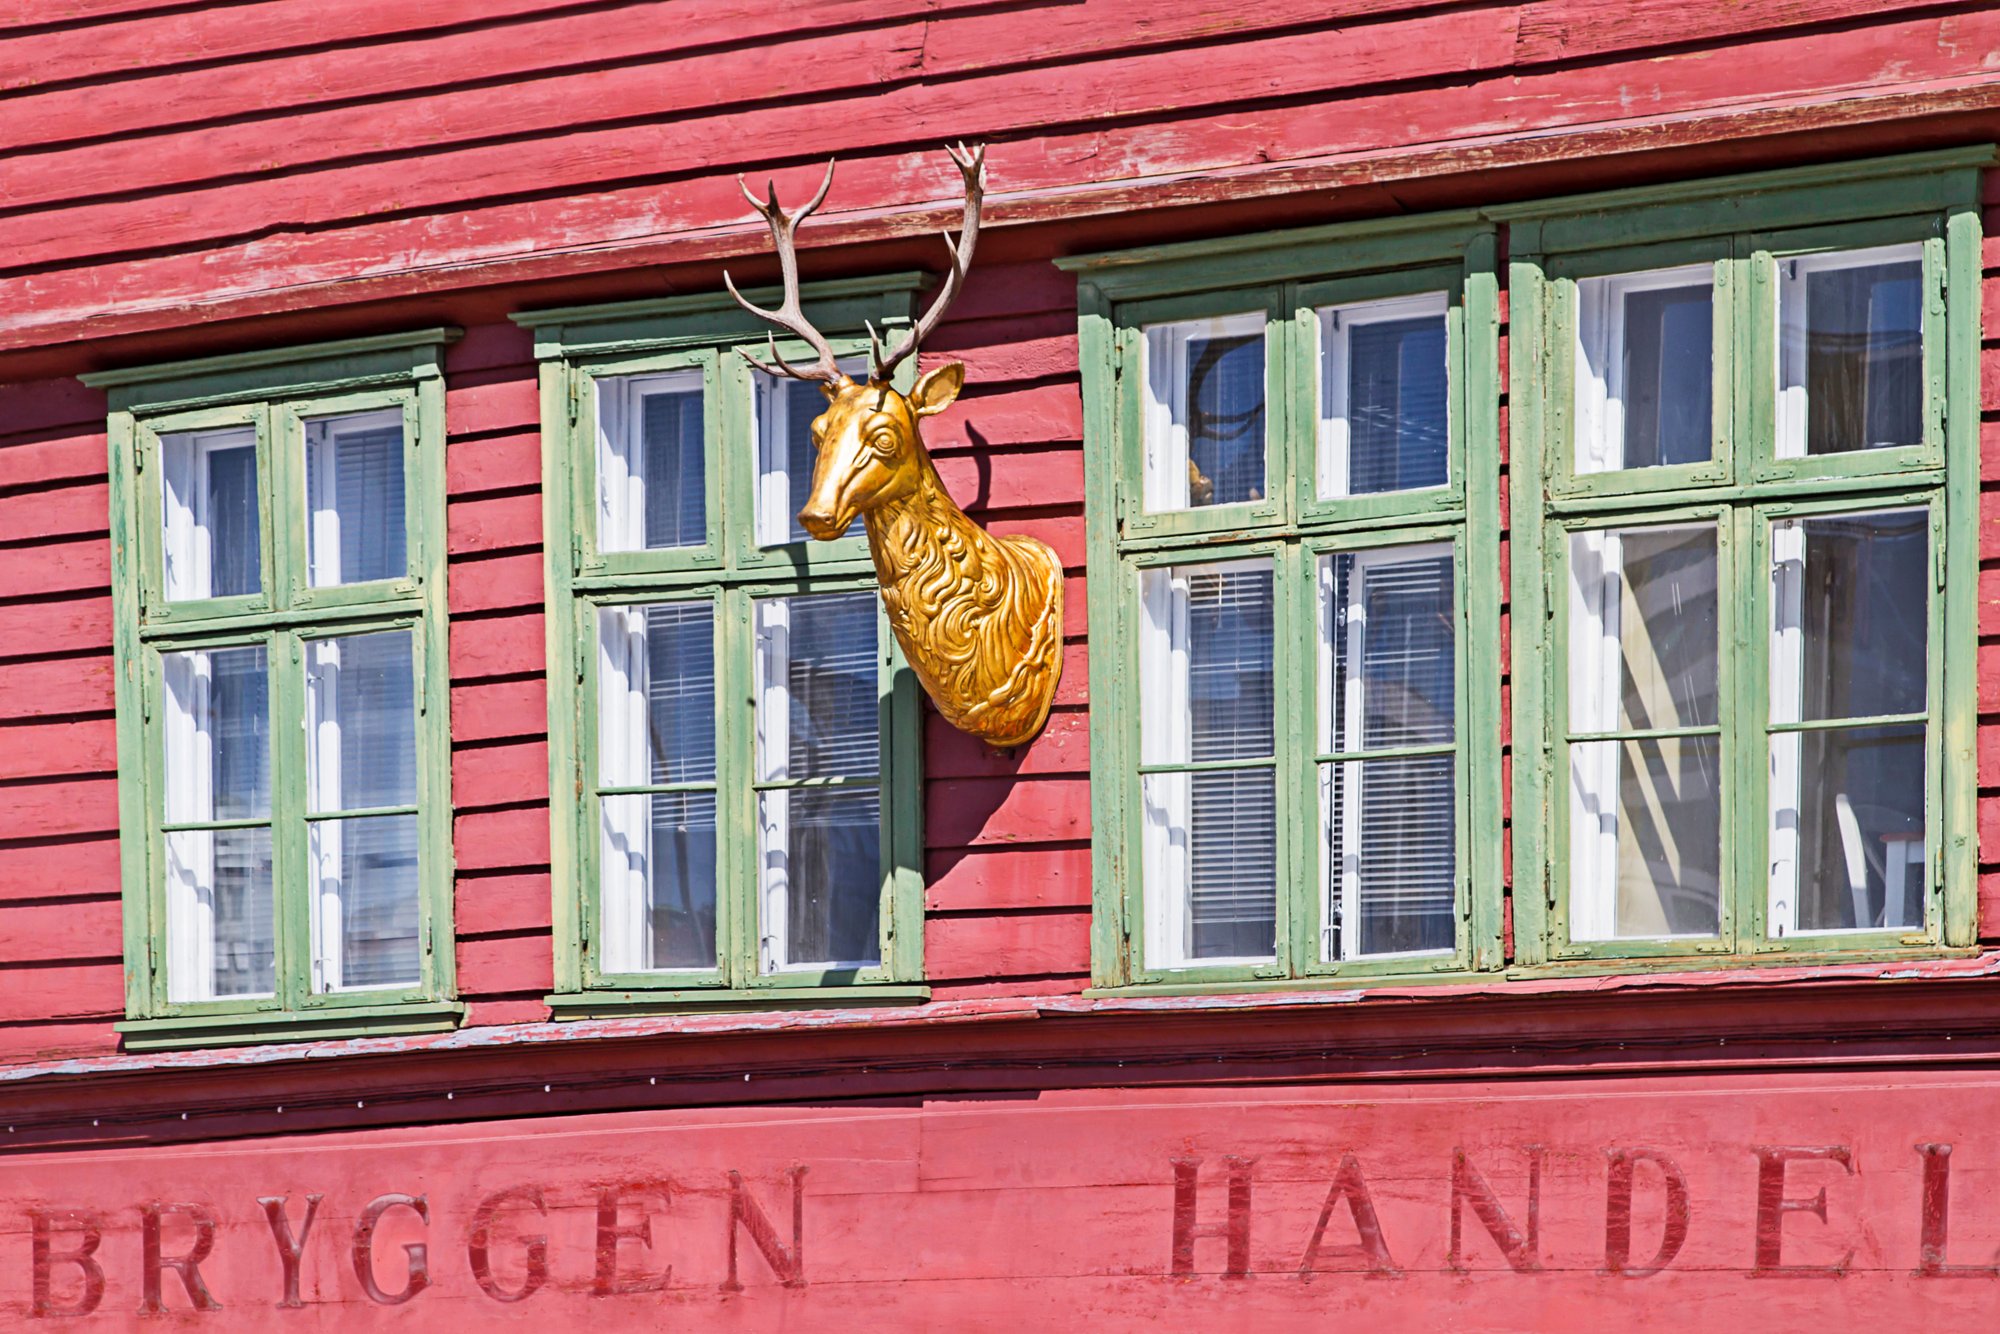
point(1677, 1203)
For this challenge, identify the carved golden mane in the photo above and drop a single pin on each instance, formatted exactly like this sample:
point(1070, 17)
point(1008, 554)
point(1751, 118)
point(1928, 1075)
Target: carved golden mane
point(979, 617)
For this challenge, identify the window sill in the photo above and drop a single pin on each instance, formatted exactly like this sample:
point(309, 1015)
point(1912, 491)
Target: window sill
point(235, 1030)
point(1678, 970)
point(615, 1004)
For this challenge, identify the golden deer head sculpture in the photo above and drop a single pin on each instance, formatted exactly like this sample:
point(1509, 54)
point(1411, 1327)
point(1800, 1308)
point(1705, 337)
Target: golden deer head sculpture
point(979, 617)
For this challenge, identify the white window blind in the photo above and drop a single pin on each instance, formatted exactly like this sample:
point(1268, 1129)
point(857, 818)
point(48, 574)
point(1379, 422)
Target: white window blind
point(210, 544)
point(1384, 410)
point(354, 498)
point(784, 413)
point(1388, 683)
point(651, 463)
point(1209, 834)
point(818, 762)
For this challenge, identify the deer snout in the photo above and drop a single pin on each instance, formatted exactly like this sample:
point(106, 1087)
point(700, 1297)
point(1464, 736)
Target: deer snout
point(823, 521)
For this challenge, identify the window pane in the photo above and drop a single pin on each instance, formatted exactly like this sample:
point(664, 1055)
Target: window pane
point(1390, 635)
point(210, 543)
point(216, 742)
point(1646, 838)
point(1204, 417)
point(1392, 863)
point(1851, 615)
point(818, 687)
point(822, 855)
point(1850, 351)
point(1644, 369)
point(1383, 396)
point(663, 847)
point(1848, 851)
point(1643, 629)
point(1205, 662)
point(361, 749)
point(354, 498)
point(219, 933)
point(656, 694)
point(1211, 864)
point(365, 878)
point(651, 464)
point(786, 409)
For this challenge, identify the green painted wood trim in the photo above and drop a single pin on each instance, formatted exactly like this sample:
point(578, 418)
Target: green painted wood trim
point(1267, 257)
point(1307, 272)
point(232, 1030)
point(609, 1004)
point(1958, 570)
point(1832, 192)
point(578, 346)
point(274, 372)
point(280, 618)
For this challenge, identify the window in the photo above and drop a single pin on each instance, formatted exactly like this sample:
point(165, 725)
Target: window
point(734, 735)
point(1752, 411)
point(281, 646)
point(1294, 511)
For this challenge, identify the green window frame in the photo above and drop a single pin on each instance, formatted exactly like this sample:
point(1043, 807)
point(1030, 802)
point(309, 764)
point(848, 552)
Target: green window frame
point(586, 355)
point(282, 409)
point(1303, 529)
point(1752, 237)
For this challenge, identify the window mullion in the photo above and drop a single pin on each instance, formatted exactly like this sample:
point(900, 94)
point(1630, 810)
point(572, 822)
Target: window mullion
point(739, 907)
point(294, 896)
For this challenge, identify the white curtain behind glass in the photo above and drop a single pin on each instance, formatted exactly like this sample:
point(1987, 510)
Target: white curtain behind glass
point(209, 542)
point(354, 498)
point(651, 462)
point(361, 756)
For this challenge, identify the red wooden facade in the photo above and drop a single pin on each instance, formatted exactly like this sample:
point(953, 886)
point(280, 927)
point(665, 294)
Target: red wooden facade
point(178, 181)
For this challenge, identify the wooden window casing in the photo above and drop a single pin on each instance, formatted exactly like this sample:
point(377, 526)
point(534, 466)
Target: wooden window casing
point(729, 571)
point(1747, 232)
point(1292, 525)
point(267, 401)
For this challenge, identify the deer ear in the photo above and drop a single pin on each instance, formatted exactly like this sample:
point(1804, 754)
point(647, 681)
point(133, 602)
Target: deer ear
point(935, 391)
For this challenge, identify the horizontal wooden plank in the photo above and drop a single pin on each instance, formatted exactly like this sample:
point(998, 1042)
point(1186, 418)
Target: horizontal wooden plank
point(60, 932)
point(65, 565)
point(497, 646)
point(502, 840)
point(1062, 746)
point(494, 523)
point(57, 688)
point(1035, 347)
point(1009, 415)
point(985, 812)
point(22, 1044)
point(57, 454)
point(500, 775)
point(211, 33)
point(1135, 168)
point(56, 511)
point(61, 746)
point(496, 583)
point(70, 991)
point(66, 868)
point(58, 626)
point(506, 964)
point(981, 480)
point(481, 1013)
point(490, 710)
point(1554, 30)
point(662, 143)
point(504, 398)
point(1006, 944)
point(509, 54)
point(493, 463)
point(37, 406)
point(1064, 984)
point(487, 903)
point(60, 809)
point(1008, 879)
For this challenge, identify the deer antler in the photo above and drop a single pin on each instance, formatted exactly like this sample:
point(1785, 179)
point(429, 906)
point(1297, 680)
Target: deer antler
point(971, 165)
point(788, 316)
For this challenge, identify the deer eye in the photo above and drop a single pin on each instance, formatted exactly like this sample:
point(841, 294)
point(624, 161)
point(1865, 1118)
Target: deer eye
point(882, 440)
